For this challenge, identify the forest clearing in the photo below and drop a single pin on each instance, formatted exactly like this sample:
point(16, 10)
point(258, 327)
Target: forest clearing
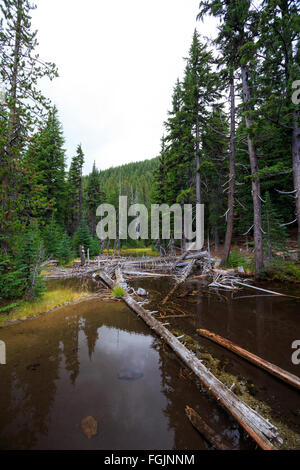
point(150, 279)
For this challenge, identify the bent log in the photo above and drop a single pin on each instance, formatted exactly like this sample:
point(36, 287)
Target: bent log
point(282, 374)
point(264, 433)
point(185, 274)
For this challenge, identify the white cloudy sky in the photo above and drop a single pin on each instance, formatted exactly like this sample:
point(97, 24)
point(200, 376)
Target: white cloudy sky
point(118, 61)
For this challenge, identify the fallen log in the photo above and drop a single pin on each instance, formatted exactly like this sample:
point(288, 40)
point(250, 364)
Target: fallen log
point(185, 274)
point(145, 274)
point(207, 432)
point(282, 374)
point(189, 255)
point(264, 433)
point(164, 317)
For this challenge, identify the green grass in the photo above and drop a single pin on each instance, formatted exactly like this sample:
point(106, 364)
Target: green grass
point(282, 270)
point(118, 292)
point(50, 300)
point(238, 258)
point(136, 252)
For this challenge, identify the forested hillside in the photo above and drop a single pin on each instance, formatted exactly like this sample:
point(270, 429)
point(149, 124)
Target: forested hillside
point(231, 142)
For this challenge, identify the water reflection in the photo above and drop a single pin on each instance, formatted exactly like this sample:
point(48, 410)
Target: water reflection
point(66, 366)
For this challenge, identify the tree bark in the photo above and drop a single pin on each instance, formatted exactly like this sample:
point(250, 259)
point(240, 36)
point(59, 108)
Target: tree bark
point(296, 167)
point(230, 214)
point(256, 360)
point(256, 193)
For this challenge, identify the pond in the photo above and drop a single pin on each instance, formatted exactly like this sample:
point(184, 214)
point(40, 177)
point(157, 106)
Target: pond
point(262, 324)
point(98, 359)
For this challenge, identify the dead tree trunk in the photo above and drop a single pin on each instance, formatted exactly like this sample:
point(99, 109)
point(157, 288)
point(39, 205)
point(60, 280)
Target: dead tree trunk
point(184, 276)
point(256, 360)
point(230, 213)
point(82, 255)
point(256, 194)
point(296, 168)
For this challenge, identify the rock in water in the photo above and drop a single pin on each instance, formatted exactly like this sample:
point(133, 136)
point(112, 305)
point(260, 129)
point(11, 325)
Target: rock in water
point(129, 374)
point(89, 426)
point(141, 292)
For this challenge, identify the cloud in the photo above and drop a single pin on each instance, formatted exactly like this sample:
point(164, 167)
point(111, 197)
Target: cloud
point(118, 62)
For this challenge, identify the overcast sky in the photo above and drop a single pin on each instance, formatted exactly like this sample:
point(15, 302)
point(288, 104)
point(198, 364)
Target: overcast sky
point(118, 62)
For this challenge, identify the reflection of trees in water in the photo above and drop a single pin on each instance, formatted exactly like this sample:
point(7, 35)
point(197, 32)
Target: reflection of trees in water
point(27, 396)
point(29, 389)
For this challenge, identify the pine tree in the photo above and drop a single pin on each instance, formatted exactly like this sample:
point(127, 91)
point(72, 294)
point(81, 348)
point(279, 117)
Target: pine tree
point(64, 250)
point(52, 234)
point(75, 189)
point(83, 235)
point(274, 233)
point(20, 71)
point(28, 260)
point(47, 154)
point(238, 31)
point(94, 196)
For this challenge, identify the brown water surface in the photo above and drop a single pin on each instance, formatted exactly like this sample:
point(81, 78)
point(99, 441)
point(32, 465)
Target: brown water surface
point(98, 359)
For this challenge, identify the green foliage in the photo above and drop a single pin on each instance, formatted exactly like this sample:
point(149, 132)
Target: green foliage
point(282, 270)
point(64, 250)
point(83, 236)
point(94, 247)
point(274, 234)
point(237, 258)
point(52, 235)
point(118, 292)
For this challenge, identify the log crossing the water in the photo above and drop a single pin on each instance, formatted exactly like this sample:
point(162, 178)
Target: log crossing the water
point(282, 374)
point(263, 432)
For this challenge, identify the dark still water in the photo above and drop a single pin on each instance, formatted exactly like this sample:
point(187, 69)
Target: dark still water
point(98, 359)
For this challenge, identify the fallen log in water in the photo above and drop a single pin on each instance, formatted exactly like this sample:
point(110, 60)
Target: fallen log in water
point(282, 374)
point(185, 274)
point(189, 255)
point(145, 274)
point(263, 432)
point(207, 432)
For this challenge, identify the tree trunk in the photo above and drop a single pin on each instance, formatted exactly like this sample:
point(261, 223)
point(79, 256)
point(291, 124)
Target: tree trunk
point(230, 214)
point(82, 255)
point(197, 156)
point(256, 360)
point(256, 195)
point(296, 167)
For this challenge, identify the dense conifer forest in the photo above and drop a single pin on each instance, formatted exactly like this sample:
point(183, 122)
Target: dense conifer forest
point(231, 142)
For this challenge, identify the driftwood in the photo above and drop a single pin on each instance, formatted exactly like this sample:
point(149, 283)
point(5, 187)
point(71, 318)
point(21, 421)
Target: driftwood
point(263, 432)
point(145, 274)
point(282, 374)
point(207, 432)
point(189, 255)
point(184, 276)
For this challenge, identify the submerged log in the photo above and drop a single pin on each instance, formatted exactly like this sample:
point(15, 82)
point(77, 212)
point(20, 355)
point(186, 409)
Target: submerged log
point(282, 374)
point(264, 433)
point(207, 432)
point(184, 276)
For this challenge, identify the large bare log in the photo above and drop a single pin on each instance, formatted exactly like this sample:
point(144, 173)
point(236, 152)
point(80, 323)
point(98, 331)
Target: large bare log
point(264, 433)
point(282, 374)
point(207, 432)
point(184, 276)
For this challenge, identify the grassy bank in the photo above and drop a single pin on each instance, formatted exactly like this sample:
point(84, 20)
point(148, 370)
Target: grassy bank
point(51, 299)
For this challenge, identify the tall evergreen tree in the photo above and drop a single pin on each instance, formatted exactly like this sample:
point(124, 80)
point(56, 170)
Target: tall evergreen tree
point(20, 70)
point(75, 189)
point(47, 154)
